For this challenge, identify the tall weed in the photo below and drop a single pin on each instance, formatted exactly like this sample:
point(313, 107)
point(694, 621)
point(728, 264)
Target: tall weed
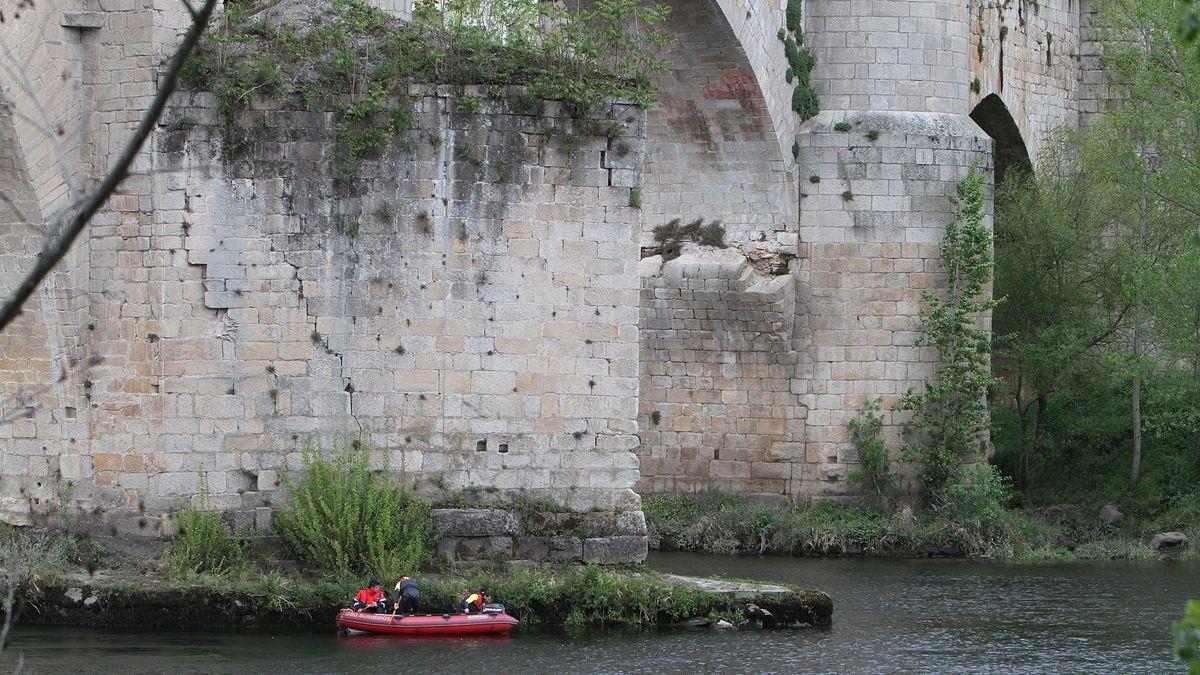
point(204, 544)
point(344, 519)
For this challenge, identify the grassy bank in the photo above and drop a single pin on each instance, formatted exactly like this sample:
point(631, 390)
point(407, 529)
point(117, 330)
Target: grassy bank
point(578, 599)
point(716, 522)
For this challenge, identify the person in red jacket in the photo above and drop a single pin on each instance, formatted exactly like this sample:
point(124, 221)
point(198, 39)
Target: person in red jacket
point(370, 599)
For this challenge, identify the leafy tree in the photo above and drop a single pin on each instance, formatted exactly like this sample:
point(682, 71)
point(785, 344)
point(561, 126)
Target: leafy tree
point(950, 415)
point(1060, 280)
point(1098, 257)
point(1151, 140)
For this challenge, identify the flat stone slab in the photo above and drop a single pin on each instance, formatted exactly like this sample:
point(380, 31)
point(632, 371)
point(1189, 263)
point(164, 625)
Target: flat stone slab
point(739, 589)
point(784, 605)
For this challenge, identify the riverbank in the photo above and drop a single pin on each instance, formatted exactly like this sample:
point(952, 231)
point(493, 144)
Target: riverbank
point(541, 598)
point(721, 523)
point(893, 615)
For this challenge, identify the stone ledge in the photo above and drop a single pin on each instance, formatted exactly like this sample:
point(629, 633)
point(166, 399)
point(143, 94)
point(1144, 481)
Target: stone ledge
point(550, 549)
point(584, 525)
point(81, 20)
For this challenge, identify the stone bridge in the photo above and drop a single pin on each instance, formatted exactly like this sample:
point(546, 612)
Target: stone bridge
point(749, 361)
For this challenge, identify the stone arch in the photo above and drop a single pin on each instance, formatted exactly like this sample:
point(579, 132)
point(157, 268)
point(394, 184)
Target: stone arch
point(992, 115)
point(33, 349)
point(719, 141)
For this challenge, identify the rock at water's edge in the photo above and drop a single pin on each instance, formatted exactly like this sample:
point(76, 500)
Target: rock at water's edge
point(1169, 540)
point(1111, 514)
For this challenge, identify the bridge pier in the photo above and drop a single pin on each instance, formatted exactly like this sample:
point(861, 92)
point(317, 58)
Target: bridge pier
point(876, 167)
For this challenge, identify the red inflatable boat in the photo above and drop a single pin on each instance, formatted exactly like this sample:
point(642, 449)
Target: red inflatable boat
point(426, 624)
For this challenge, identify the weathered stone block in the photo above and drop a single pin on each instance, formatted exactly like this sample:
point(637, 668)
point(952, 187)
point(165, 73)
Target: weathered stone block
point(550, 549)
point(615, 550)
point(474, 548)
point(476, 522)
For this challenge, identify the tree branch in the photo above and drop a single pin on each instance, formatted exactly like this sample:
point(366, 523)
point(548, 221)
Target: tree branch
point(50, 256)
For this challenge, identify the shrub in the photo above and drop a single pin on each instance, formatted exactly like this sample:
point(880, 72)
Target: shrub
point(875, 467)
point(355, 57)
point(843, 127)
point(975, 500)
point(23, 557)
point(344, 519)
point(203, 544)
point(795, 15)
point(671, 237)
point(801, 62)
point(1187, 637)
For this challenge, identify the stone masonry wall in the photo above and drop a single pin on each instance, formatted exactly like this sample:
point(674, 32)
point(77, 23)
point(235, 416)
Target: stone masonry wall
point(470, 304)
point(468, 307)
point(892, 141)
point(712, 151)
point(717, 363)
point(1029, 49)
point(32, 352)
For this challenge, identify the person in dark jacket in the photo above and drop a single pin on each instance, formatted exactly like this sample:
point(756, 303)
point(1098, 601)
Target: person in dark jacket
point(406, 598)
point(370, 599)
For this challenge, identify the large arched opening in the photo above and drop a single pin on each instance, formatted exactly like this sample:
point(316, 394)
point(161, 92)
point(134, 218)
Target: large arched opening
point(712, 149)
point(1010, 153)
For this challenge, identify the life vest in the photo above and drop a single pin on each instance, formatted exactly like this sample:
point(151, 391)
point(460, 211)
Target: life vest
point(474, 600)
point(369, 596)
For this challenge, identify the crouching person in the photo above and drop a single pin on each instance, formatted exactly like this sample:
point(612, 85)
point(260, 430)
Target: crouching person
point(406, 597)
point(370, 599)
point(474, 602)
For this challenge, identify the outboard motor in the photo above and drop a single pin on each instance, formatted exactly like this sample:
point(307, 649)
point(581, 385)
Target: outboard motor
point(493, 608)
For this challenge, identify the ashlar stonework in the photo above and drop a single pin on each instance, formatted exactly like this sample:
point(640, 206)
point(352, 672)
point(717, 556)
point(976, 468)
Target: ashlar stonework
point(480, 303)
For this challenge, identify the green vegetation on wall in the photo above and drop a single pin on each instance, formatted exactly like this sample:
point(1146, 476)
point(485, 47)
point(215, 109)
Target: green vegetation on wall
point(949, 417)
point(800, 62)
point(672, 236)
point(358, 61)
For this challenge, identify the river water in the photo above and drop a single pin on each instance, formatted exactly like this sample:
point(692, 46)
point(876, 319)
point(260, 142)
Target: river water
point(889, 616)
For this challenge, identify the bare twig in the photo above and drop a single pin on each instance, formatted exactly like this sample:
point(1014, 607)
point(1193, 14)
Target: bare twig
point(50, 256)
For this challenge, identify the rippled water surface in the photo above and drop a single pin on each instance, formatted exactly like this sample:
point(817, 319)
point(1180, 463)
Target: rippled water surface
point(889, 616)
